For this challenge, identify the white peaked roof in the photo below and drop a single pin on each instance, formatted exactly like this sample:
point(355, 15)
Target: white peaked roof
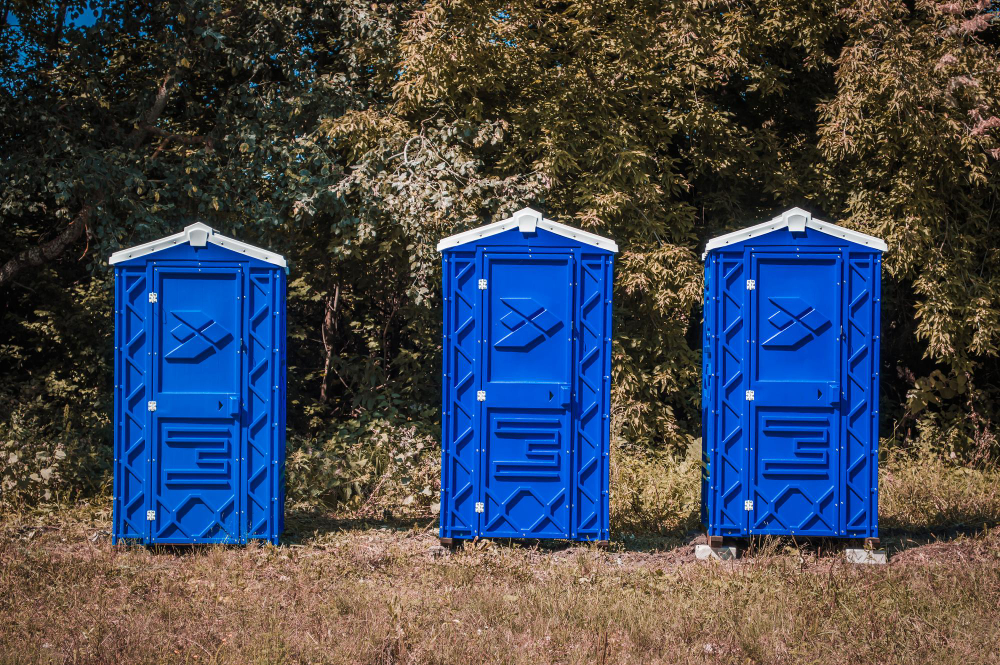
point(796, 220)
point(527, 221)
point(198, 235)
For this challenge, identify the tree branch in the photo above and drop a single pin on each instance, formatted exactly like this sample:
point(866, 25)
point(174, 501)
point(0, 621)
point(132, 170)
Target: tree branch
point(39, 254)
point(141, 130)
point(60, 23)
point(205, 140)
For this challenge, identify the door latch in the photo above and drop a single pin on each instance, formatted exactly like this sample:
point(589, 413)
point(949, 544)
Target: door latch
point(150, 515)
point(748, 504)
point(565, 396)
point(480, 395)
point(749, 395)
point(152, 296)
point(482, 285)
point(480, 507)
point(151, 405)
point(751, 284)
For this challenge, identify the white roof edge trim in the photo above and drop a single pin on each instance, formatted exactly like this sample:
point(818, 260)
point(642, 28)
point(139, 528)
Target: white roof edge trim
point(198, 234)
point(515, 221)
point(793, 217)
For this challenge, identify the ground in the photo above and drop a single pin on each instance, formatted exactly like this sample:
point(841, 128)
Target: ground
point(343, 590)
point(347, 592)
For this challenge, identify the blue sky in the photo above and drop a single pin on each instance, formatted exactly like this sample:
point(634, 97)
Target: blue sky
point(87, 18)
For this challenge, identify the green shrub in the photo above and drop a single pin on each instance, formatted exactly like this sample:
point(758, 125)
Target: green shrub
point(369, 466)
point(924, 492)
point(55, 390)
point(654, 492)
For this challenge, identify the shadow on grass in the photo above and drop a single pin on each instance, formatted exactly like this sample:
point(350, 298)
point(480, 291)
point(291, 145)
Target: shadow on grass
point(898, 539)
point(301, 527)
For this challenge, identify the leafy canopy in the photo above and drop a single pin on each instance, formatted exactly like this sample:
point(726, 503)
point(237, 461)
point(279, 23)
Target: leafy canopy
point(350, 136)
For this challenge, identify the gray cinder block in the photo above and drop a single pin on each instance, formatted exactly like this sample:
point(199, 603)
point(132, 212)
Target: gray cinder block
point(857, 555)
point(719, 553)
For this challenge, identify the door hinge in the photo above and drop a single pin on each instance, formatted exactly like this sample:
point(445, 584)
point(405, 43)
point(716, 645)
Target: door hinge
point(152, 296)
point(480, 395)
point(480, 507)
point(749, 395)
point(748, 504)
point(150, 515)
point(482, 285)
point(751, 284)
point(151, 405)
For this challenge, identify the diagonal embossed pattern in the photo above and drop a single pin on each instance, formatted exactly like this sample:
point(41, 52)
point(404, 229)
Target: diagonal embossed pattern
point(458, 517)
point(727, 463)
point(797, 322)
point(527, 321)
point(198, 335)
point(860, 445)
point(131, 434)
point(591, 459)
point(262, 454)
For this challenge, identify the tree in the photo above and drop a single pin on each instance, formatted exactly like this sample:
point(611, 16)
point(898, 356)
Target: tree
point(351, 136)
point(911, 145)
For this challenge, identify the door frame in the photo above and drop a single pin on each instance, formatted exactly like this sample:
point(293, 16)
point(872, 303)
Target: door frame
point(751, 459)
point(155, 270)
point(482, 426)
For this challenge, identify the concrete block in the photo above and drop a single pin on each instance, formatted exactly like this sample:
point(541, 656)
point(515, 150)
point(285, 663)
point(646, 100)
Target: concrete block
point(704, 552)
point(857, 555)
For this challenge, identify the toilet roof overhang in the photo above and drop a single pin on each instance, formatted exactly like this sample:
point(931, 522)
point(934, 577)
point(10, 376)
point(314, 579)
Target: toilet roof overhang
point(527, 220)
point(198, 235)
point(795, 220)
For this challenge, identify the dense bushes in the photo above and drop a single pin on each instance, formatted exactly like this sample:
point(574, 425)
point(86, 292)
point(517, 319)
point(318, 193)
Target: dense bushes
point(351, 136)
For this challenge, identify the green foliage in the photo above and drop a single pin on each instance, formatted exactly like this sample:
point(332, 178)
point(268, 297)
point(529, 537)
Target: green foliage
point(368, 465)
point(654, 492)
point(55, 399)
point(351, 136)
point(925, 493)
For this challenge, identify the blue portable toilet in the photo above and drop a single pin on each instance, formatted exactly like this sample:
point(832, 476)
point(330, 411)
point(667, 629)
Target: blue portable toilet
point(527, 366)
point(199, 417)
point(790, 381)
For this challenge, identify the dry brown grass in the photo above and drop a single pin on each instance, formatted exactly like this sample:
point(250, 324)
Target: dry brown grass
point(346, 592)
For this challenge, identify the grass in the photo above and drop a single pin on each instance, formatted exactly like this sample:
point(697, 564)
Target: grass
point(346, 591)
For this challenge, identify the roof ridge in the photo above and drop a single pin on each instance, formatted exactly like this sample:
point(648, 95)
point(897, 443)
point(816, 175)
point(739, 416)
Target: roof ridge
point(528, 220)
point(796, 220)
point(198, 234)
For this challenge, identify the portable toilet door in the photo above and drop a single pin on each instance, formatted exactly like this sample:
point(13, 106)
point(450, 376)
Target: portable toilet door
point(790, 380)
point(199, 391)
point(527, 358)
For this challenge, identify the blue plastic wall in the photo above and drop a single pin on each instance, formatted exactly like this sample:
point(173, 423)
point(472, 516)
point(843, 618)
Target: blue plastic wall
point(537, 341)
point(801, 456)
point(210, 352)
